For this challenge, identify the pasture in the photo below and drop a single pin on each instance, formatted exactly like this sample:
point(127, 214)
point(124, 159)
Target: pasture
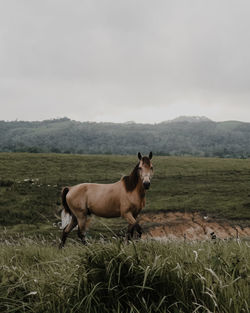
point(110, 275)
point(30, 184)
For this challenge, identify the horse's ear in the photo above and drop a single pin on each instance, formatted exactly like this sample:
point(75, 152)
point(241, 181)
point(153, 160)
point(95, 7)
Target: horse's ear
point(150, 155)
point(139, 156)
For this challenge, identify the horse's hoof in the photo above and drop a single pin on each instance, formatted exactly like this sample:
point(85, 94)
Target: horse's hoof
point(84, 242)
point(61, 245)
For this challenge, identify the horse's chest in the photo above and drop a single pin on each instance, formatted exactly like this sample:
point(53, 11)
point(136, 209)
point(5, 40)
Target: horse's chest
point(136, 203)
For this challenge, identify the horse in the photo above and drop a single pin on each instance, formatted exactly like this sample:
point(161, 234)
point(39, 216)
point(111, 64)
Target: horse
point(124, 198)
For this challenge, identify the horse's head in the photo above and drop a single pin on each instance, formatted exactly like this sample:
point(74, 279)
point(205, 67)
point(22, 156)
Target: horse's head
point(145, 169)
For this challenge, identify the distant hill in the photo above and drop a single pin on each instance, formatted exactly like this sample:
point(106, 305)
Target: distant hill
point(190, 119)
point(197, 136)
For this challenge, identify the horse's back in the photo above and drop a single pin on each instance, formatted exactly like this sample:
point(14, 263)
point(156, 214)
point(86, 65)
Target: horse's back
point(99, 199)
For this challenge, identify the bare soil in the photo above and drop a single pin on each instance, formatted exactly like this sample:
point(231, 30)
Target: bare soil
point(190, 226)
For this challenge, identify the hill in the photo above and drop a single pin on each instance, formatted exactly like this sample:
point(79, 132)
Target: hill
point(194, 136)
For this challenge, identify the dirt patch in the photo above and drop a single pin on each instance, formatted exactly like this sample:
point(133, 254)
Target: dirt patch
point(191, 226)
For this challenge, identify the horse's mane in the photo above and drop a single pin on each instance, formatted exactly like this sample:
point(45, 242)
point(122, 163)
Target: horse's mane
point(131, 180)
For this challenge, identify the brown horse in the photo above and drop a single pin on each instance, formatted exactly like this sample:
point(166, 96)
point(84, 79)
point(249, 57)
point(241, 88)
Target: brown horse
point(124, 198)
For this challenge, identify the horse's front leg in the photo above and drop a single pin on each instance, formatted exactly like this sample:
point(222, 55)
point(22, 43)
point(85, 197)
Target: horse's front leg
point(133, 225)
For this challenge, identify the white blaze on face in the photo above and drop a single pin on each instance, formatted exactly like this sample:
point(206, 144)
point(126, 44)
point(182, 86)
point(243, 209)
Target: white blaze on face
point(146, 173)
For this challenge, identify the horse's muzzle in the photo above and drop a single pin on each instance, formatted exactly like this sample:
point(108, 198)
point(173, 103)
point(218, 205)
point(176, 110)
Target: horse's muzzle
point(146, 185)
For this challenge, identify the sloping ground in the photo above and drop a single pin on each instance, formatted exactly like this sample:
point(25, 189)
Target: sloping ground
point(172, 226)
point(192, 226)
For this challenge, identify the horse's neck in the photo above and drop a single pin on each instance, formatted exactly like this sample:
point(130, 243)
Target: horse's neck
point(139, 189)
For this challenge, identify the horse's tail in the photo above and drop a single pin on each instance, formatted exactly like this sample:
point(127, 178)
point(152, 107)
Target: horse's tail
point(65, 213)
point(64, 202)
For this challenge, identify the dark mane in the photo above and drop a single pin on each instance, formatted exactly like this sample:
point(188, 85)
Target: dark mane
point(131, 181)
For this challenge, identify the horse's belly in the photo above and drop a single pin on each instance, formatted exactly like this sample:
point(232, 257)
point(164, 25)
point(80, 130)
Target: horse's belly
point(103, 206)
point(106, 213)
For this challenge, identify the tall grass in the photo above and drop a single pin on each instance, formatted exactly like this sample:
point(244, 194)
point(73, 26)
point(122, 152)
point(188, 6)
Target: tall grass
point(145, 276)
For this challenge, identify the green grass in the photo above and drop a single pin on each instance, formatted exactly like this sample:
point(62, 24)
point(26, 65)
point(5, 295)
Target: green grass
point(114, 276)
point(30, 184)
point(110, 275)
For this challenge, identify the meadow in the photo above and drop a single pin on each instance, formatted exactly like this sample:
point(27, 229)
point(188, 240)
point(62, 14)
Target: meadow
point(110, 274)
point(30, 184)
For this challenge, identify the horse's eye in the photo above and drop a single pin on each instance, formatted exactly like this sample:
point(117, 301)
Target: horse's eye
point(139, 168)
point(151, 168)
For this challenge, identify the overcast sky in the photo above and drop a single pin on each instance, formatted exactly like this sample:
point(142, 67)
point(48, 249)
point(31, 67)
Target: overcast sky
point(122, 60)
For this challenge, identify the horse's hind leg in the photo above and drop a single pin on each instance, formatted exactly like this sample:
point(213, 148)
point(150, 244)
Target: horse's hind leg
point(82, 228)
point(67, 230)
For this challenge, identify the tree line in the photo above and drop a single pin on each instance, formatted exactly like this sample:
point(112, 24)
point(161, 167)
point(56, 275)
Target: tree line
point(178, 137)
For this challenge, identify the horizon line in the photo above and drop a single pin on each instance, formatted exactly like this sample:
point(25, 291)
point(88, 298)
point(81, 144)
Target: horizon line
point(177, 119)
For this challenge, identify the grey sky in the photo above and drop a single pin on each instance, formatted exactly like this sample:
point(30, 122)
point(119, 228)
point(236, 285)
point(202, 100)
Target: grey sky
point(146, 61)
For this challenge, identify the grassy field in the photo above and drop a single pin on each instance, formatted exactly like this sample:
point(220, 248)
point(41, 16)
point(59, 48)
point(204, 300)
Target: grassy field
point(30, 184)
point(110, 275)
point(138, 277)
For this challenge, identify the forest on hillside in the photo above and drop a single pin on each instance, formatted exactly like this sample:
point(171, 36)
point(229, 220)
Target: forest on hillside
point(178, 137)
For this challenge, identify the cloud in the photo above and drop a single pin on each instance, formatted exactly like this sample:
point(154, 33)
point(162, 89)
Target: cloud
point(121, 58)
